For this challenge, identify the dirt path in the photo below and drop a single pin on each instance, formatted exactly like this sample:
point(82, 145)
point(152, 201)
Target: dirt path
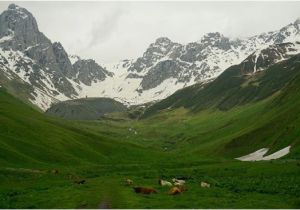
point(104, 205)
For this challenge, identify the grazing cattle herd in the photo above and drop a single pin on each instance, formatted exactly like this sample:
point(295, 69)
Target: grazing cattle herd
point(177, 186)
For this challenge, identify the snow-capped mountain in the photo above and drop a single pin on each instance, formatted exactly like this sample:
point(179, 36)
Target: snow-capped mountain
point(29, 54)
point(167, 66)
point(30, 58)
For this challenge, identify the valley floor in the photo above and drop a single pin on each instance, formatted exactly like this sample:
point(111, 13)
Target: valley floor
point(233, 185)
point(176, 143)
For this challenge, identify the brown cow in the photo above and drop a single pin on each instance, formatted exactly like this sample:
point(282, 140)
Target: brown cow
point(144, 190)
point(81, 181)
point(177, 190)
point(174, 191)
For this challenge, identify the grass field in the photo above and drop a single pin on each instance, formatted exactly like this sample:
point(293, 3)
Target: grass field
point(201, 146)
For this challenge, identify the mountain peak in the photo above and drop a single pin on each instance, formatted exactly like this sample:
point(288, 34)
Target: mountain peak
point(163, 41)
point(58, 45)
point(213, 34)
point(19, 10)
point(215, 39)
point(20, 23)
point(13, 6)
point(74, 58)
point(212, 38)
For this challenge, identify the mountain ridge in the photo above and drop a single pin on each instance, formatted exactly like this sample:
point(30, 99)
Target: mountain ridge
point(165, 66)
point(239, 84)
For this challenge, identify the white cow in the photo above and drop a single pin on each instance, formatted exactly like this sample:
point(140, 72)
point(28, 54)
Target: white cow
point(178, 182)
point(205, 185)
point(164, 183)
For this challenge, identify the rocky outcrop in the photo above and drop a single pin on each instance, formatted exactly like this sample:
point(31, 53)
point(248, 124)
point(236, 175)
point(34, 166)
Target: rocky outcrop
point(262, 59)
point(89, 71)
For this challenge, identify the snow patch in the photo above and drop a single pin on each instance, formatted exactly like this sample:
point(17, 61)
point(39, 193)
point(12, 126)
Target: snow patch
point(278, 154)
point(259, 155)
point(73, 58)
point(6, 38)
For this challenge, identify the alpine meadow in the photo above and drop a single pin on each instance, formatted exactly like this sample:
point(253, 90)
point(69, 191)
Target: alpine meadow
point(212, 123)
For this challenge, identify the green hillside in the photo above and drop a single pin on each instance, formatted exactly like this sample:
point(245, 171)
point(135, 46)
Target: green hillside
point(18, 88)
point(29, 137)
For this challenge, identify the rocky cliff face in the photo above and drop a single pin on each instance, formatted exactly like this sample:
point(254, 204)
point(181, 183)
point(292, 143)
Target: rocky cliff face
point(29, 54)
point(88, 71)
point(167, 66)
point(262, 59)
point(205, 59)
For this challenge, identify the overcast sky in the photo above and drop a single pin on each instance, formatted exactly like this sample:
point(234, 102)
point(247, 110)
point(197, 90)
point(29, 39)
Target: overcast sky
point(111, 31)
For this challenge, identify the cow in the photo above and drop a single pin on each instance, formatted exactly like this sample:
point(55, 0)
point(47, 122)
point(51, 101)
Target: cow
point(177, 190)
point(164, 183)
point(174, 191)
point(80, 181)
point(205, 185)
point(178, 182)
point(144, 190)
point(128, 182)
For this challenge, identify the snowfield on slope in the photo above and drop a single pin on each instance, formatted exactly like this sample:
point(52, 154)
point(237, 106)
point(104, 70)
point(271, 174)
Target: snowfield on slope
point(259, 155)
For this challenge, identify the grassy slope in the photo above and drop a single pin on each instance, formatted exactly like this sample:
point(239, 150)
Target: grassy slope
point(28, 137)
point(235, 184)
point(18, 88)
point(243, 113)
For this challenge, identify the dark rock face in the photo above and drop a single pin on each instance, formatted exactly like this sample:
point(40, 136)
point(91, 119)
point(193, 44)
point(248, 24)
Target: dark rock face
point(159, 73)
point(133, 75)
point(89, 71)
point(155, 51)
point(217, 40)
point(20, 23)
point(191, 53)
point(62, 59)
point(266, 57)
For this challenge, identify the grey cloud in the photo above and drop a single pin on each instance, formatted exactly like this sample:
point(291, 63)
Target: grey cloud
point(102, 30)
point(109, 31)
